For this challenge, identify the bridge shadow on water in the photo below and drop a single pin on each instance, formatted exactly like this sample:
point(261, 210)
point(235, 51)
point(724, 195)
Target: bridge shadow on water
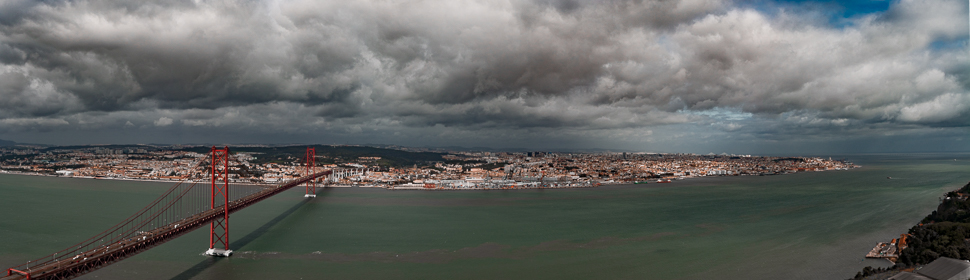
point(242, 242)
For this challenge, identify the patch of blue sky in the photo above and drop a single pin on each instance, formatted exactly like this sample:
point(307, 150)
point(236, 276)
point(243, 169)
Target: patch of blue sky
point(838, 14)
point(949, 44)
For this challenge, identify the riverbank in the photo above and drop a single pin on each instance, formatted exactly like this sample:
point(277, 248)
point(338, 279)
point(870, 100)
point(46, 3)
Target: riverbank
point(680, 181)
point(942, 233)
point(126, 179)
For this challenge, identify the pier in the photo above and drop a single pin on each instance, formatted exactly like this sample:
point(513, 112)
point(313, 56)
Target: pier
point(888, 250)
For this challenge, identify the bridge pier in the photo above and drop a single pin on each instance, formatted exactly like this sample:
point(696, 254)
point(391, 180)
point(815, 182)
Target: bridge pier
point(216, 252)
point(311, 186)
point(219, 228)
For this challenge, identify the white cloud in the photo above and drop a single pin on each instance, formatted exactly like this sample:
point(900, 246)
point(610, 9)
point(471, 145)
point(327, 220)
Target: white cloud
point(471, 66)
point(163, 121)
point(193, 122)
point(942, 108)
point(32, 124)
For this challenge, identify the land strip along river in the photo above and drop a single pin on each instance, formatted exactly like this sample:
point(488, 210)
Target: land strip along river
point(815, 225)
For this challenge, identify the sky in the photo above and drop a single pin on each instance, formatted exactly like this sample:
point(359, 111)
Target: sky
point(694, 76)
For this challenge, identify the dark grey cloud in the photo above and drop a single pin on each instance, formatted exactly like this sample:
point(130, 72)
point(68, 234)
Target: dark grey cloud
point(403, 70)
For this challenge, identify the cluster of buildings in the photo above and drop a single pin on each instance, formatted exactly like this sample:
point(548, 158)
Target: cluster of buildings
point(18, 151)
point(456, 170)
point(151, 165)
point(538, 169)
point(889, 250)
point(107, 163)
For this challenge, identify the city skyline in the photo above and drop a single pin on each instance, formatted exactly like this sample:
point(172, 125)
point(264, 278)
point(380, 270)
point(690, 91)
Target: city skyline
point(699, 76)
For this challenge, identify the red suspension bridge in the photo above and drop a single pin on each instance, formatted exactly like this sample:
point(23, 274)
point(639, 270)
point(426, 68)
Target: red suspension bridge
point(185, 207)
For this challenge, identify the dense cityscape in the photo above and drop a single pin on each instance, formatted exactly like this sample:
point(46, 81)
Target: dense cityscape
point(454, 170)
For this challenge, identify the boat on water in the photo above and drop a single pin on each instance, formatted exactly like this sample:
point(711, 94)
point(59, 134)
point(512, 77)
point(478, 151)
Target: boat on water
point(663, 181)
point(640, 182)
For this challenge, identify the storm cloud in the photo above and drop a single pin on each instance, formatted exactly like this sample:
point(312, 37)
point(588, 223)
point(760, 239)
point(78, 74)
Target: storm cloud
point(524, 71)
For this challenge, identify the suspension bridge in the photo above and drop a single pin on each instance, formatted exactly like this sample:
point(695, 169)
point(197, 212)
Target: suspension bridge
point(203, 198)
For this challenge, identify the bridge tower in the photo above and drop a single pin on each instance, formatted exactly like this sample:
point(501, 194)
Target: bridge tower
point(219, 228)
point(311, 187)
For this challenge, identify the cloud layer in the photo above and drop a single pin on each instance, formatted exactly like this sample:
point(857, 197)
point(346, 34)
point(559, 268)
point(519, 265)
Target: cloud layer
point(458, 70)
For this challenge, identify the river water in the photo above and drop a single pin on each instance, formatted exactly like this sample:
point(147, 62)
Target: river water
point(815, 225)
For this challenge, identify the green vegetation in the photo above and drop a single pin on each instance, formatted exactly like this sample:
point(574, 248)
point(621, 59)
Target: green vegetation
point(490, 166)
point(463, 162)
point(15, 158)
point(943, 233)
point(869, 271)
point(69, 166)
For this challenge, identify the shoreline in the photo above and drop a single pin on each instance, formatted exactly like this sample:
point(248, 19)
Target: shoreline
point(671, 182)
point(900, 253)
point(120, 179)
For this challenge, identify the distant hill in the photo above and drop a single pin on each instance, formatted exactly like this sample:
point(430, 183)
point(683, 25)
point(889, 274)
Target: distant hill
point(4, 143)
point(112, 146)
point(333, 154)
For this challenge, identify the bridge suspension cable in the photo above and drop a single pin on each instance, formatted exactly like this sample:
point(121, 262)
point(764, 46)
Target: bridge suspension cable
point(184, 207)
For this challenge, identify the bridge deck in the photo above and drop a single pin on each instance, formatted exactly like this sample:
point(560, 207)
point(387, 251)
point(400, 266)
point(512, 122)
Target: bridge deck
point(73, 266)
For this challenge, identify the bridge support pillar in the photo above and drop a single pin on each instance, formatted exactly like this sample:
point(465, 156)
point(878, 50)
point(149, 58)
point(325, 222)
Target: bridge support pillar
point(311, 188)
point(219, 228)
point(218, 252)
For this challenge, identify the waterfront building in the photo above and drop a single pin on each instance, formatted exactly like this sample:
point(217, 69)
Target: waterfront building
point(941, 269)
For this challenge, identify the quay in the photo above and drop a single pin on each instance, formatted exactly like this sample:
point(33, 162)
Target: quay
point(888, 250)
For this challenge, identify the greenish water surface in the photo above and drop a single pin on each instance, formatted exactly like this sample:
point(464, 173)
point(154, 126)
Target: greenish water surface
point(816, 225)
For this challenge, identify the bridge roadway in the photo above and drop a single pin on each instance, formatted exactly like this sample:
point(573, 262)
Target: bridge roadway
point(73, 266)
